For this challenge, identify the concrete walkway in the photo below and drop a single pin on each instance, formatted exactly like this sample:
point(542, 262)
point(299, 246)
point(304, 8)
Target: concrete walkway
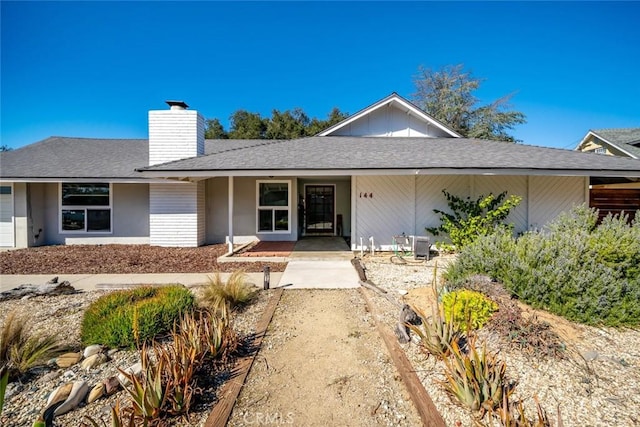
point(315, 263)
point(88, 282)
point(320, 263)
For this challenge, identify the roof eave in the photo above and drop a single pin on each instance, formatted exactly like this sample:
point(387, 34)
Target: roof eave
point(181, 174)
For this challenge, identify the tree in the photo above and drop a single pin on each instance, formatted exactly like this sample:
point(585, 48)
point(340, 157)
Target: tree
point(246, 125)
point(289, 124)
point(5, 147)
point(447, 95)
point(335, 116)
point(215, 130)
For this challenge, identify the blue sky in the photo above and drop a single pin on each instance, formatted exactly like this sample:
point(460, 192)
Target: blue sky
point(94, 69)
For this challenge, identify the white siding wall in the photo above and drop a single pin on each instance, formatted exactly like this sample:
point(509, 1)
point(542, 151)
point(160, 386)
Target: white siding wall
point(173, 214)
point(406, 203)
point(202, 219)
point(175, 135)
point(390, 121)
point(389, 212)
point(549, 196)
point(429, 197)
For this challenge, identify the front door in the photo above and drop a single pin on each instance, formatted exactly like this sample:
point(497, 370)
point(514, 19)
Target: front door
point(319, 209)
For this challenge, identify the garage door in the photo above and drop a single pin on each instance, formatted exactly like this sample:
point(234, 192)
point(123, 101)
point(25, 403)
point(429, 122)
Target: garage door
point(6, 217)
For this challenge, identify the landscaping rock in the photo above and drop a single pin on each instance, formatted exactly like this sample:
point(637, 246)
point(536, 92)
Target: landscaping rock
point(68, 359)
point(111, 385)
point(51, 376)
point(96, 392)
point(77, 395)
point(60, 394)
point(91, 350)
point(93, 361)
point(25, 291)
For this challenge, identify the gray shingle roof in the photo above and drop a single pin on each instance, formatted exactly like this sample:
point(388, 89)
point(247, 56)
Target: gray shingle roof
point(86, 158)
point(61, 157)
point(349, 153)
point(625, 139)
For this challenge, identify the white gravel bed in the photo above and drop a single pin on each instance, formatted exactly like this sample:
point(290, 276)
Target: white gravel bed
point(597, 384)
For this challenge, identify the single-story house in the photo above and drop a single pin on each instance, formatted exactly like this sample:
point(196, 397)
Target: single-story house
point(377, 174)
point(613, 194)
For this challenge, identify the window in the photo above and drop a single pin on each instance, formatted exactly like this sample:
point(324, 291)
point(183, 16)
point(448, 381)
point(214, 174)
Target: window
point(85, 208)
point(274, 206)
point(600, 150)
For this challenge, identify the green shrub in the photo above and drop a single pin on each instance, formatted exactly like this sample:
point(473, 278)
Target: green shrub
point(468, 308)
point(471, 219)
point(130, 317)
point(585, 272)
point(476, 378)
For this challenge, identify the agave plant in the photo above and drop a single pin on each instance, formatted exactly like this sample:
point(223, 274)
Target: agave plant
point(214, 335)
point(181, 363)
point(119, 418)
point(436, 335)
point(192, 332)
point(514, 415)
point(476, 379)
point(148, 393)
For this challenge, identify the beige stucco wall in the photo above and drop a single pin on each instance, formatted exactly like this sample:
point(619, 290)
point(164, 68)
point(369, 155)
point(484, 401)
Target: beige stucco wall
point(244, 210)
point(129, 224)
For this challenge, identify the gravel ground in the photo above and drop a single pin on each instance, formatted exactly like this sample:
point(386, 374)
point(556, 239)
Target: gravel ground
point(597, 384)
point(61, 316)
point(122, 259)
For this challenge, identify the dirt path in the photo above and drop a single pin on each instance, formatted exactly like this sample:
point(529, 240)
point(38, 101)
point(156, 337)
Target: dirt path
point(323, 363)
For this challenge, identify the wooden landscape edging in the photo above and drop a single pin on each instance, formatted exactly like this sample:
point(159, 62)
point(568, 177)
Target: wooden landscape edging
point(428, 412)
point(231, 389)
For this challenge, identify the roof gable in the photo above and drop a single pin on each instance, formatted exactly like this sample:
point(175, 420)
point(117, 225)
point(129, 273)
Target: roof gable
point(391, 116)
point(624, 142)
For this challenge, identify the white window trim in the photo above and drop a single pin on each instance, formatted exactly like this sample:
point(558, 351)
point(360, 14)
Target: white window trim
point(274, 208)
point(79, 207)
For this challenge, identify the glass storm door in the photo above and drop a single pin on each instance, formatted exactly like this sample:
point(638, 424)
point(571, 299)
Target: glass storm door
point(319, 208)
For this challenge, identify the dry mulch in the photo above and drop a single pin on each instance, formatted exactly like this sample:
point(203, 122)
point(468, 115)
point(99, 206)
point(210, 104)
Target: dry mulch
point(123, 259)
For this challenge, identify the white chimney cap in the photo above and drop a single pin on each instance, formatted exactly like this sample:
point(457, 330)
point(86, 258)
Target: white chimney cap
point(177, 105)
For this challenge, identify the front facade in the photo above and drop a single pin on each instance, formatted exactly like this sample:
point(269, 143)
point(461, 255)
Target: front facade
point(377, 174)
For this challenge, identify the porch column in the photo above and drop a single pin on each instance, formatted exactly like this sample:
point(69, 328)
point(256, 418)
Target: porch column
point(230, 219)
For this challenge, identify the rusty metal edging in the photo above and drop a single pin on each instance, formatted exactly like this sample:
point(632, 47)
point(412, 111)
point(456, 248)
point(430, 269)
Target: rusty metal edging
point(428, 412)
point(231, 389)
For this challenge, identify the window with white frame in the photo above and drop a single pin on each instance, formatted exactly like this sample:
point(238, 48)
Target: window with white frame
point(274, 206)
point(85, 208)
